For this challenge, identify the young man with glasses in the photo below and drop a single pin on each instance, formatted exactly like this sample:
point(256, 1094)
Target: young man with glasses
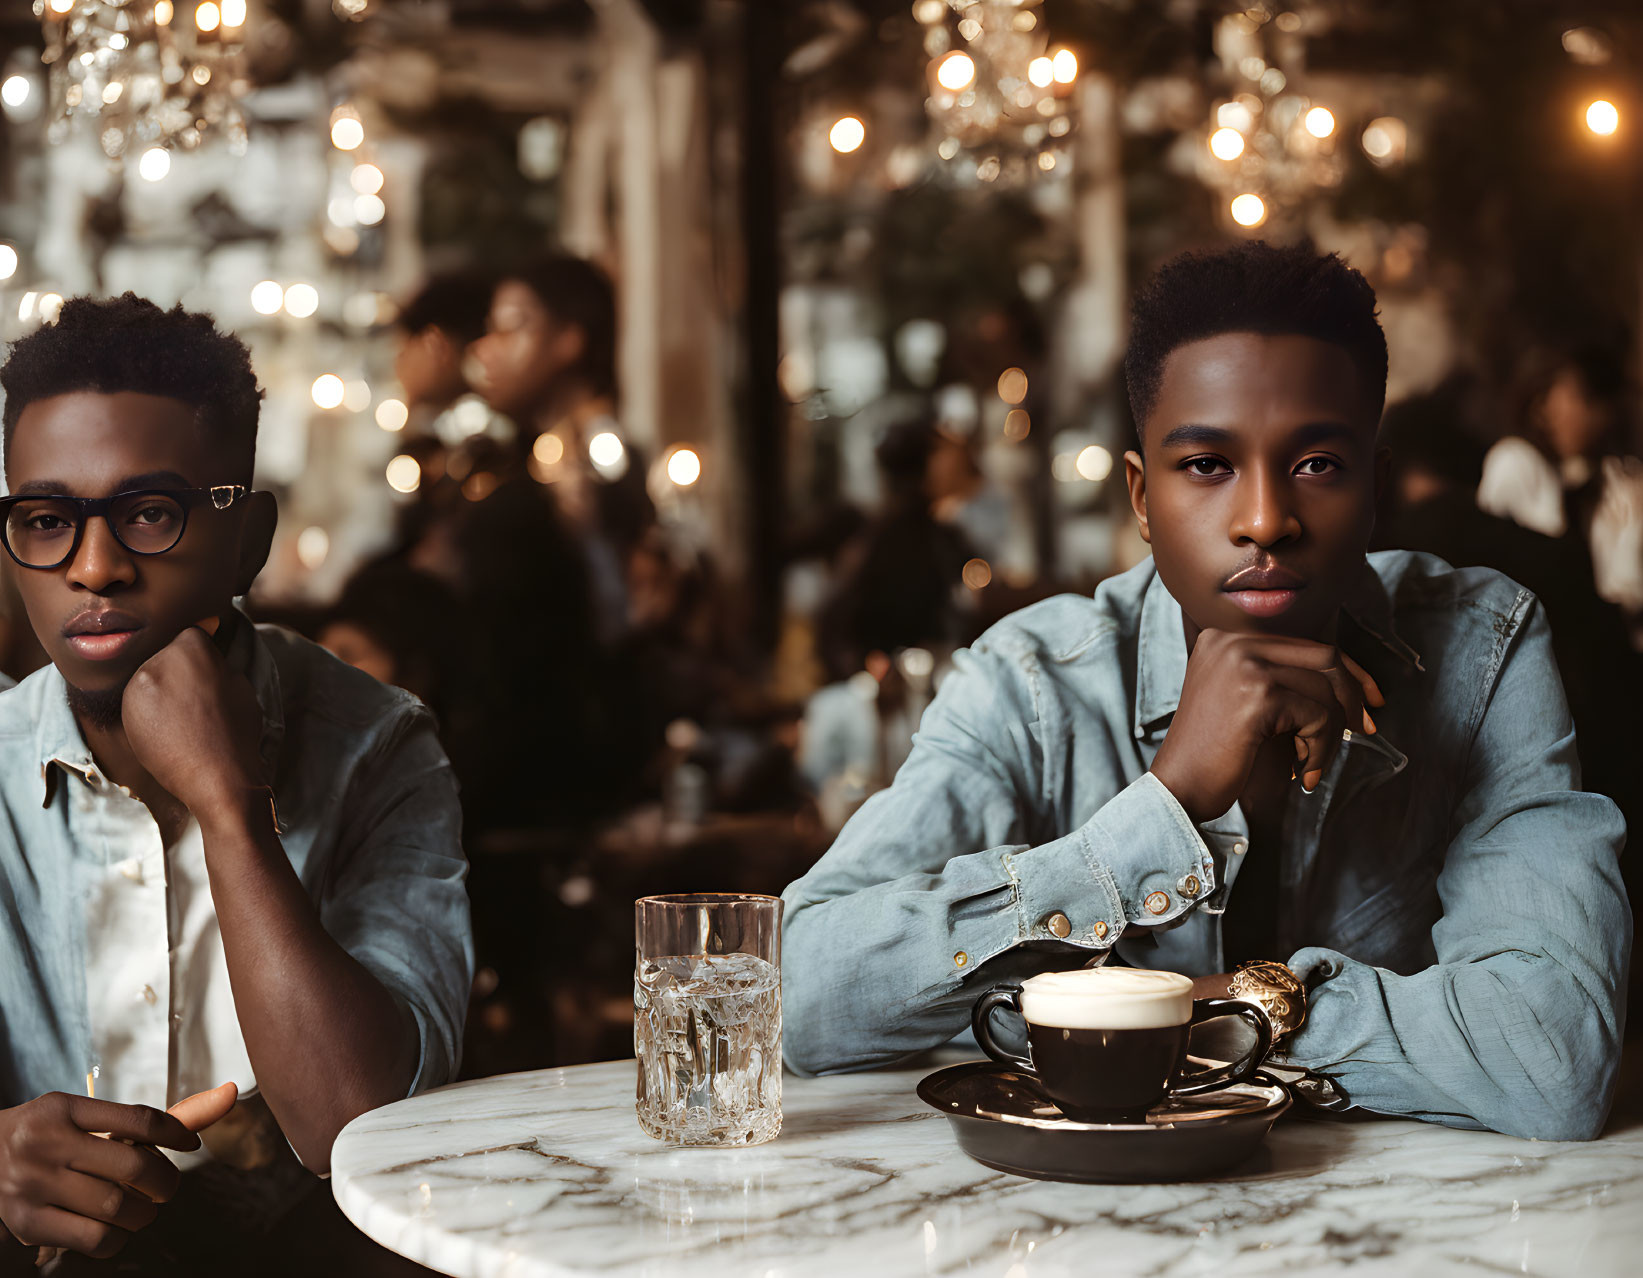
point(226, 856)
point(1260, 746)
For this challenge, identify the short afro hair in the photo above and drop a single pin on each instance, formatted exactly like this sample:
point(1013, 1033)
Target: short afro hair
point(575, 291)
point(456, 304)
point(1254, 287)
point(127, 343)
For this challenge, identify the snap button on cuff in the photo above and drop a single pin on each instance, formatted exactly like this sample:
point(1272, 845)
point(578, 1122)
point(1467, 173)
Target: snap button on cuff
point(1100, 929)
point(1058, 924)
point(1156, 902)
point(961, 959)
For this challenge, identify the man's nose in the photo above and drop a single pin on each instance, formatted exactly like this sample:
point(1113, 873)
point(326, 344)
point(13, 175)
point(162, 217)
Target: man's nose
point(100, 562)
point(1263, 511)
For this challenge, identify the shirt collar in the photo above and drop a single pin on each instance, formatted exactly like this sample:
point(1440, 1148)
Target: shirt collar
point(58, 738)
point(1161, 656)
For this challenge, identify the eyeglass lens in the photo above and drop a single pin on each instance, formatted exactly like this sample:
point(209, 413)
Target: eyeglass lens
point(41, 530)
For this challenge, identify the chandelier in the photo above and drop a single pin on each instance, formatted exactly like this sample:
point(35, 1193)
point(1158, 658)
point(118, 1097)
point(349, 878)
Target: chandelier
point(145, 75)
point(999, 95)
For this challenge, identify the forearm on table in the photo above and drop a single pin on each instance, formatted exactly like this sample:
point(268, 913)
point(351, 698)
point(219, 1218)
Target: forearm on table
point(874, 971)
point(327, 1040)
point(1513, 1042)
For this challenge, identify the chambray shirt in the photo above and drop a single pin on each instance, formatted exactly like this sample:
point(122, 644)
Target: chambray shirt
point(1452, 894)
point(369, 818)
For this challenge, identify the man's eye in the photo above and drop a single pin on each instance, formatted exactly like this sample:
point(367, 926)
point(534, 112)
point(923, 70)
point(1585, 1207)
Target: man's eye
point(1204, 466)
point(1317, 466)
point(46, 523)
point(150, 515)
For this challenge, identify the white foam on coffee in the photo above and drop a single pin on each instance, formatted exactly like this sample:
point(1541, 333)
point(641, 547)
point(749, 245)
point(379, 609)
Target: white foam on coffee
point(1107, 998)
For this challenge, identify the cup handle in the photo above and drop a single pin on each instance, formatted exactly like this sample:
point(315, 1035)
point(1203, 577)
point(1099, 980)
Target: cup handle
point(1209, 1009)
point(1006, 995)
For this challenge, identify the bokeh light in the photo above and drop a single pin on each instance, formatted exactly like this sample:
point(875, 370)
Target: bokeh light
point(1093, 463)
point(8, 261)
point(154, 163)
point(1320, 122)
point(1065, 64)
point(301, 300)
point(327, 391)
point(233, 13)
point(208, 17)
point(313, 544)
point(605, 449)
point(392, 414)
point(356, 396)
point(1012, 385)
point(956, 72)
point(1226, 144)
point(1602, 118)
point(549, 449)
point(684, 467)
point(404, 474)
point(847, 135)
point(15, 90)
point(1017, 425)
point(267, 297)
point(1248, 210)
point(347, 133)
point(1041, 73)
point(977, 574)
point(366, 179)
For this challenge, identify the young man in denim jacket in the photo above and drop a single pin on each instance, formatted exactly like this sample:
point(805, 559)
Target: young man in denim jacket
point(1260, 744)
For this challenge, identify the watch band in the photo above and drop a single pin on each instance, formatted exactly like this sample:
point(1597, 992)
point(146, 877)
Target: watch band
point(1276, 990)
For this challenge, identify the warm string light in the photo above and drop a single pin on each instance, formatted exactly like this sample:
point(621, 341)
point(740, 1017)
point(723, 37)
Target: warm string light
point(847, 135)
point(1603, 118)
point(1248, 209)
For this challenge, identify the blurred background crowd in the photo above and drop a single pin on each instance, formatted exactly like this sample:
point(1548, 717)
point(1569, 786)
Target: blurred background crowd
point(662, 389)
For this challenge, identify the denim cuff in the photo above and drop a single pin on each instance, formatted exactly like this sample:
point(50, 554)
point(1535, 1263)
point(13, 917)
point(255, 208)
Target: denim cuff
point(1145, 860)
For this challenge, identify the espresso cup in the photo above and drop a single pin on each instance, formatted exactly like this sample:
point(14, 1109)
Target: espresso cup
point(1106, 1044)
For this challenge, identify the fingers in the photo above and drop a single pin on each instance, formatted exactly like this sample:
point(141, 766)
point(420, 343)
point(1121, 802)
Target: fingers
point(54, 1227)
point(200, 1110)
point(147, 1171)
point(102, 1200)
point(1322, 656)
point(141, 1123)
point(1307, 708)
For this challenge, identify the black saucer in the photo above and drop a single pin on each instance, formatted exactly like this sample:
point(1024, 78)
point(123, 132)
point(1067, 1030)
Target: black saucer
point(1003, 1121)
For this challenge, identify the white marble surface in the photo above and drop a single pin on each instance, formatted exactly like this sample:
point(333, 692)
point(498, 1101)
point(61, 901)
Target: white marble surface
point(548, 1174)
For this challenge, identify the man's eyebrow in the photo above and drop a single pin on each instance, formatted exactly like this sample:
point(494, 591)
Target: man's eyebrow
point(131, 483)
point(1193, 435)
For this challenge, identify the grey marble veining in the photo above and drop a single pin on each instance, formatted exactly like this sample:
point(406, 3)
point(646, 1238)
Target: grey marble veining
point(548, 1174)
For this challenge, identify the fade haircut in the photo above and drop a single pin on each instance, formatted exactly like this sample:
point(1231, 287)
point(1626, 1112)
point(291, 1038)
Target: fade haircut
point(1254, 287)
point(456, 304)
point(127, 343)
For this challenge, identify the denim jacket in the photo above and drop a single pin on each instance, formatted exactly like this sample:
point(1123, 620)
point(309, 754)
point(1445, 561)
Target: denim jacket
point(368, 817)
point(1447, 891)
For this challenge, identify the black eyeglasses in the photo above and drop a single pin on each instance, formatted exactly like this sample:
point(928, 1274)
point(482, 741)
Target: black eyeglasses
point(44, 532)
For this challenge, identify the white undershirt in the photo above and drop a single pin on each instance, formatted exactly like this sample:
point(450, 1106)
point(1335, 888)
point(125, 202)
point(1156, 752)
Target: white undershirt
point(163, 1023)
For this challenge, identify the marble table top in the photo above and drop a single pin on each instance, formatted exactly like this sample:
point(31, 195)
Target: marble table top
point(547, 1173)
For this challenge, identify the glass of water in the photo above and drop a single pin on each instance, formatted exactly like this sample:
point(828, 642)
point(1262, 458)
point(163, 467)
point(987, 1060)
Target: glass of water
point(707, 1017)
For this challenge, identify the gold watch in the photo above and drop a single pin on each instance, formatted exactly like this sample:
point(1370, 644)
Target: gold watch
point(1276, 990)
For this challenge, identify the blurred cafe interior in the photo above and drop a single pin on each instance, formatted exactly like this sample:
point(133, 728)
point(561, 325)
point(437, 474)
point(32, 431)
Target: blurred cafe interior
point(662, 390)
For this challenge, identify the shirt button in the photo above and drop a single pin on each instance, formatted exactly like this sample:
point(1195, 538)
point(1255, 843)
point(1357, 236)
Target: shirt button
point(1189, 885)
point(1058, 924)
point(1240, 847)
point(1100, 929)
point(1156, 902)
point(961, 959)
point(149, 996)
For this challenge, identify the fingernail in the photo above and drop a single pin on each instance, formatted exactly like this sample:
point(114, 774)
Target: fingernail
point(1368, 723)
point(1309, 783)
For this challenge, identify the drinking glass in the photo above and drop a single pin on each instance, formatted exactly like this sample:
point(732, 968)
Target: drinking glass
point(707, 1017)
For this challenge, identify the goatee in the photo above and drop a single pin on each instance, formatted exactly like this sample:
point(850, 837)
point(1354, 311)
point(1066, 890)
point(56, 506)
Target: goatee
point(100, 709)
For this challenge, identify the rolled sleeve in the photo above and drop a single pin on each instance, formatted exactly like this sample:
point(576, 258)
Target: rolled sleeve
point(936, 885)
point(399, 904)
point(1142, 855)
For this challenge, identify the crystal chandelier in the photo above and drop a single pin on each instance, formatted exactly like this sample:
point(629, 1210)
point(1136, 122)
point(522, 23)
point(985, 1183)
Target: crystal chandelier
point(143, 74)
point(999, 95)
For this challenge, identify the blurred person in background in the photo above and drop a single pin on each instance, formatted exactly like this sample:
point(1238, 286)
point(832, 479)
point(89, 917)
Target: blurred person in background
point(1571, 472)
point(399, 626)
point(897, 588)
point(548, 362)
point(435, 329)
point(1437, 463)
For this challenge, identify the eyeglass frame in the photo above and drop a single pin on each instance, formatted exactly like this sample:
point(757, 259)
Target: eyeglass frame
point(221, 497)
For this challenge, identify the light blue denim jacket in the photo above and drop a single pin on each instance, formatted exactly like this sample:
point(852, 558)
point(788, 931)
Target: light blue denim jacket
point(1454, 895)
point(369, 817)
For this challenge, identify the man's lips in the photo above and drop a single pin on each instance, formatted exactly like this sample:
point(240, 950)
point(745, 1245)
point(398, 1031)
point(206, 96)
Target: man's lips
point(101, 635)
point(1264, 590)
